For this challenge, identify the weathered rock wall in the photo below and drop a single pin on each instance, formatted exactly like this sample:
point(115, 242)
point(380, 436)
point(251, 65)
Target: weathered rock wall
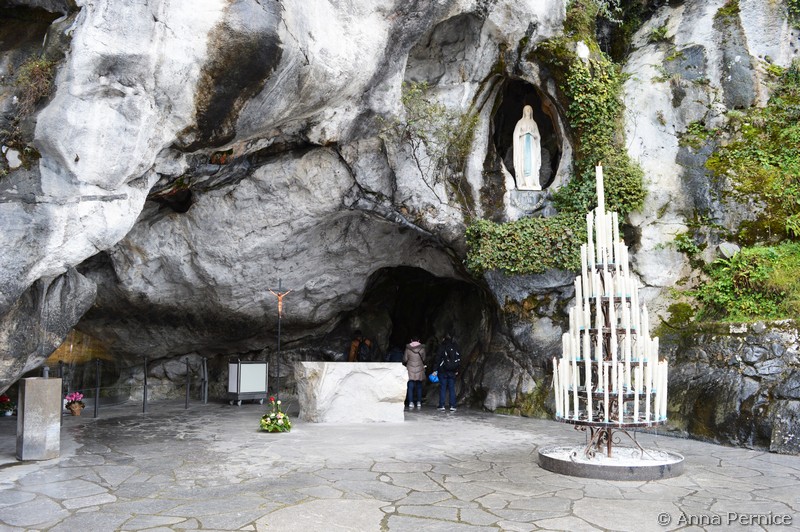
point(738, 385)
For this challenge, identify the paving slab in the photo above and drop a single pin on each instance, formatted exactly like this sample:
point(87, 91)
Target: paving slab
point(210, 468)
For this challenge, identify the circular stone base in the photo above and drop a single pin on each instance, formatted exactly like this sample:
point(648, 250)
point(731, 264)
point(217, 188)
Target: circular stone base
point(626, 463)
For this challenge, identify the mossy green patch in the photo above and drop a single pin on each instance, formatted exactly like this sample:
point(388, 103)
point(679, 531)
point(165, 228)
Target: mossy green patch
point(760, 282)
point(763, 163)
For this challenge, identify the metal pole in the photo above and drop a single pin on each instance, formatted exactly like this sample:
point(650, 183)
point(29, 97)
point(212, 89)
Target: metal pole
point(204, 370)
point(96, 386)
point(278, 389)
point(187, 384)
point(45, 372)
point(144, 391)
point(280, 295)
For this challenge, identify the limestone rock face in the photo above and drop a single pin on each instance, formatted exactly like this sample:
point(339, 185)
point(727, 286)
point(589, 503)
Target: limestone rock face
point(354, 392)
point(196, 154)
point(709, 65)
point(147, 94)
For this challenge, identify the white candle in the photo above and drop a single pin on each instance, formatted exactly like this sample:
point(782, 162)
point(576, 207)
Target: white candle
point(601, 194)
point(665, 381)
point(628, 343)
point(637, 390)
point(575, 374)
point(587, 319)
point(647, 384)
point(557, 389)
point(588, 368)
point(657, 386)
point(614, 377)
point(620, 400)
point(615, 237)
point(605, 392)
point(584, 269)
point(564, 367)
point(598, 323)
point(590, 252)
point(612, 323)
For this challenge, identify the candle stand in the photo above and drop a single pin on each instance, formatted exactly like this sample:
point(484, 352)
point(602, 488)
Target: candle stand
point(609, 381)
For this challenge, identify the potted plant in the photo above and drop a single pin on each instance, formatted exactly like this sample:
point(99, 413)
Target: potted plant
point(275, 420)
point(7, 406)
point(74, 403)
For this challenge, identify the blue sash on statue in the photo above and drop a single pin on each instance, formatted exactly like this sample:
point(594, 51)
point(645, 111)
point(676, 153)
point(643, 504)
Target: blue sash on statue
point(527, 152)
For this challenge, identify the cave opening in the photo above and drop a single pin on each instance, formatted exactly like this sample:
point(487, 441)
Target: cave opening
point(403, 302)
point(514, 95)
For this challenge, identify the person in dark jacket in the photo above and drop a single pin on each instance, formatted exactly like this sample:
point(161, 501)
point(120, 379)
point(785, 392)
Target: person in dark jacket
point(447, 367)
point(414, 359)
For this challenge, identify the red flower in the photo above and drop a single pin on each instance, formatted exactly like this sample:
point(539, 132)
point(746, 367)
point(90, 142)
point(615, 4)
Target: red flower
point(271, 399)
point(5, 399)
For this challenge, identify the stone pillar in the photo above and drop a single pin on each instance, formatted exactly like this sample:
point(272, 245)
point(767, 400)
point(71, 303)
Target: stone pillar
point(39, 419)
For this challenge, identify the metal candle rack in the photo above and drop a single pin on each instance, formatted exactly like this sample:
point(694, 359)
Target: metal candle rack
point(609, 378)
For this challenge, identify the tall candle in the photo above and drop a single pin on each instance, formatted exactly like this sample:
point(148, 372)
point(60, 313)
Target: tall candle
point(647, 385)
point(665, 380)
point(620, 400)
point(590, 252)
point(614, 381)
point(637, 388)
point(605, 392)
point(615, 237)
point(612, 323)
point(599, 337)
point(564, 367)
point(657, 386)
point(557, 388)
point(601, 194)
point(588, 368)
point(575, 374)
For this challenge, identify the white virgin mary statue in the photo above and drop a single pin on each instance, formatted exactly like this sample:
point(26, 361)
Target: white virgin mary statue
point(527, 153)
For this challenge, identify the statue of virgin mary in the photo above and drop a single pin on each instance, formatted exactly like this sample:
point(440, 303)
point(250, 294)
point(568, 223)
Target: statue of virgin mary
point(527, 153)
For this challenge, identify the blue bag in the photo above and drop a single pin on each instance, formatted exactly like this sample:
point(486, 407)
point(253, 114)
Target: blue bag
point(433, 378)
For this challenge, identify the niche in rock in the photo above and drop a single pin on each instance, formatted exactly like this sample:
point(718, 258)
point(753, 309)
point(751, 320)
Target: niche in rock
point(404, 302)
point(515, 95)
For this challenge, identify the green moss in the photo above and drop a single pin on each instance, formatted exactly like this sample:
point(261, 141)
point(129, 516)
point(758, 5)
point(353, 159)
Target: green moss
point(529, 405)
point(729, 10)
point(793, 11)
point(763, 163)
point(696, 135)
point(758, 283)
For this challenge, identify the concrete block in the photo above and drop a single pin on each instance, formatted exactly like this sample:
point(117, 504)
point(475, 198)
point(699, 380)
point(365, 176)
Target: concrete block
point(39, 419)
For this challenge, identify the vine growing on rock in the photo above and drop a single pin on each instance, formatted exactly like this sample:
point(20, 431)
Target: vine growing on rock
point(591, 90)
point(438, 138)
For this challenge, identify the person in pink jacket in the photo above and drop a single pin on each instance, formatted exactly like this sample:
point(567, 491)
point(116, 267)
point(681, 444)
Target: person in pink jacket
point(414, 359)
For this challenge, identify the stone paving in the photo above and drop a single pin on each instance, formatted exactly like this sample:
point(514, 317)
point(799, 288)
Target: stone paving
point(209, 468)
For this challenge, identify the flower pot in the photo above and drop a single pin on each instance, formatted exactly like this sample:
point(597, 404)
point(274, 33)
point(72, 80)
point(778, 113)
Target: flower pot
point(75, 409)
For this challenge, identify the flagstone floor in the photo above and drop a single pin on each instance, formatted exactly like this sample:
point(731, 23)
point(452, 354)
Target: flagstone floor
point(209, 468)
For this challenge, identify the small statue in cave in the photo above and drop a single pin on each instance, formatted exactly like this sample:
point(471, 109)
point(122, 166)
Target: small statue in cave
point(527, 151)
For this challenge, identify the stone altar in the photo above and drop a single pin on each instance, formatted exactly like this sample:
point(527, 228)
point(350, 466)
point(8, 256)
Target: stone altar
point(351, 392)
point(39, 419)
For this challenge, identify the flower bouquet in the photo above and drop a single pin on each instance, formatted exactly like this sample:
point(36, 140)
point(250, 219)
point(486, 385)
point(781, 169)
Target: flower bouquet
point(7, 406)
point(275, 420)
point(74, 403)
